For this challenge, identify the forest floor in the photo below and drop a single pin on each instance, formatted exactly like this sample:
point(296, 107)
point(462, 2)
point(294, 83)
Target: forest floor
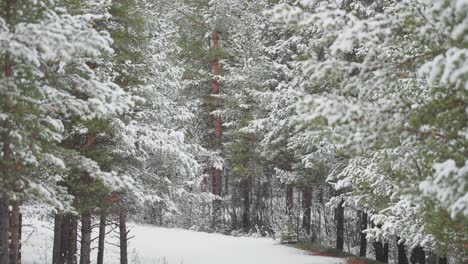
point(319, 250)
point(154, 245)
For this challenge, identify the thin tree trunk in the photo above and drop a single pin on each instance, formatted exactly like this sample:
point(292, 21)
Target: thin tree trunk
point(418, 256)
point(306, 209)
point(14, 231)
point(85, 257)
point(289, 199)
point(363, 239)
point(4, 228)
point(385, 253)
point(5, 162)
point(339, 211)
point(381, 251)
point(123, 236)
point(216, 176)
point(72, 239)
point(402, 258)
point(57, 239)
point(64, 241)
point(246, 187)
point(442, 260)
point(102, 234)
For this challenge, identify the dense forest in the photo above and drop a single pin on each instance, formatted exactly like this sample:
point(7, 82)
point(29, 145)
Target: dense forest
point(341, 123)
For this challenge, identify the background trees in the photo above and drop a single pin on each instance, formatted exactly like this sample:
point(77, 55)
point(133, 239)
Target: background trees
point(310, 120)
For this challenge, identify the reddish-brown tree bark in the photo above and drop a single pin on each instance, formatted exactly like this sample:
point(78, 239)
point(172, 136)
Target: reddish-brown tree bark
point(102, 234)
point(123, 236)
point(216, 174)
point(72, 240)
point(85, 257)
point(14, 231)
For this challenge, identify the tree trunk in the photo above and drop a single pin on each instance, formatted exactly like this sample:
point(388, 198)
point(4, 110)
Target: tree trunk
point(123, 236)
point(402, 258)
point(6, 152)
point(306, 209)
point(85, 257)
point(363, 239)
point(246, 187)
point(289, 199)
point(4, 228)
point(72, 239)
point(216, 190)
point(442, 260)
point(379, 251)
point(102, 233)
point(14, 232)
point(339, 211)
point(57, 239)
point(65, 233)
point(216, 177)
point(418, 256)
point(385, 253)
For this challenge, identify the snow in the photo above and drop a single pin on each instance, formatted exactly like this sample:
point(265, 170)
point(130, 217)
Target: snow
point(153, 245)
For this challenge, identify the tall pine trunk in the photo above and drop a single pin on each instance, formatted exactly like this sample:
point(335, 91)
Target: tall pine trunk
point(123, 236)
point(418, 256)
point(102, 234)
point(85, 257)
point(289, 199)
point(339, 212)
point(4, 228)
point(402, 258)
point(306, 209)
point(65, 233)
point(6, 155)
point(57, 239)
point(15, 231)
point(72, 239)
point(381, 251)
point(442, 260)
point(363, 239)
point(246, 186)
point(216, 176)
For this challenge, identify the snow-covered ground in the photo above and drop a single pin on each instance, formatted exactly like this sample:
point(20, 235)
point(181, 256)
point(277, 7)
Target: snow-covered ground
point(153, 245)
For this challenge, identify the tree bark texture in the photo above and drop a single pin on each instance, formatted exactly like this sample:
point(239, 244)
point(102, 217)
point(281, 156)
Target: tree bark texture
point(72, 239)
point(339, 211)
point(246, 186)
point(15, 231)
point(123, 236)
point(306, 209)
point(418, 256)
point(216, 174)
point(363, 239)
point(289, 199)
point(6, 157)
point(57, 239)
point(102, 234)
point(4, 228)
point(85, 256)
point(402, 257)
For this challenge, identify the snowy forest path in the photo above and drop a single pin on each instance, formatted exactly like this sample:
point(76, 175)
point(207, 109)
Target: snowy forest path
point(189, 247)
point(154, 245)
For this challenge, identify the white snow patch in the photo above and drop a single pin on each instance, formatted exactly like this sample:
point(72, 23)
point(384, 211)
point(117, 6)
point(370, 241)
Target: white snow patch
point(154, 245)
